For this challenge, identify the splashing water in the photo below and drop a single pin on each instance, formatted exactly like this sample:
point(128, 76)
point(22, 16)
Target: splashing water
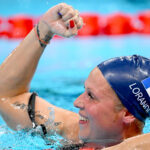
point(51, 115)
point(31, 139)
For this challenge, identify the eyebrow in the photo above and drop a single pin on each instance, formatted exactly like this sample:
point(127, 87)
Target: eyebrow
point(86, 88)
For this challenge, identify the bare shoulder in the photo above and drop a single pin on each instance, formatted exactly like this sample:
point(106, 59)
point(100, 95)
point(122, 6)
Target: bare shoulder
point(140, 142)
point(14, 112)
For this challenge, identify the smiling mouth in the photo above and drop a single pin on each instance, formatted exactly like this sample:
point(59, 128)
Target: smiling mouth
point(82, 120)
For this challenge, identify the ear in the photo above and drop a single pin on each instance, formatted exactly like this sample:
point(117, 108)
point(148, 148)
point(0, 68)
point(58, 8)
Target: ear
point(128, 118)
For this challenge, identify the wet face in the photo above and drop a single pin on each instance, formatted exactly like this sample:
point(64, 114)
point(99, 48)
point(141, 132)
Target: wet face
point(99, 119)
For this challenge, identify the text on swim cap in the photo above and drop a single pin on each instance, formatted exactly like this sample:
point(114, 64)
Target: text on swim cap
point(139, 96)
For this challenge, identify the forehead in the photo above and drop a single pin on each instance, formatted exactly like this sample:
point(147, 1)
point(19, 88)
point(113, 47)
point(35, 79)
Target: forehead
point(98, 84)
point(96, 78)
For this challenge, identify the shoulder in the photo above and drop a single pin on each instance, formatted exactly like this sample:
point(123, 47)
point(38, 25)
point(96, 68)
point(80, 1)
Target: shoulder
point(140, 142)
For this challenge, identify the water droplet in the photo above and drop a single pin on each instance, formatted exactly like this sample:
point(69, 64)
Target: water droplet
point(18, 127)
point(51, 117)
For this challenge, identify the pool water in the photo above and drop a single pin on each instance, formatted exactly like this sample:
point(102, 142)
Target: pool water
point(60, 78)
point(66, 63)
point(38, 7)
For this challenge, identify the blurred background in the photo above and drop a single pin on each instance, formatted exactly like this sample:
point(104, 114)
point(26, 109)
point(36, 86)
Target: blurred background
point(112, 29)
point(38, 7)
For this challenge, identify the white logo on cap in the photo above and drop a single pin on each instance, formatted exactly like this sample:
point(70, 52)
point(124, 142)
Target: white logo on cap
point(137, 93)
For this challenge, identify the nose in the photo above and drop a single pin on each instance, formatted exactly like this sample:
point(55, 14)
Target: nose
point(79, 102)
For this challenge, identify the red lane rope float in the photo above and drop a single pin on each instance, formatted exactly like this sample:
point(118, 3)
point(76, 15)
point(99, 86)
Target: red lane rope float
point(4, 27)
point(91, 25)
point(94, 24)
point(20, 26)
point(117, 24)
point(144, 19)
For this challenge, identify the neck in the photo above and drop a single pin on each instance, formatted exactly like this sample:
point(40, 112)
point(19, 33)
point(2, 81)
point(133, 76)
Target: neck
point(132, 130)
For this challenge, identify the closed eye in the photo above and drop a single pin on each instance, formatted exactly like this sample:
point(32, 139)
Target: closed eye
point(90, 95)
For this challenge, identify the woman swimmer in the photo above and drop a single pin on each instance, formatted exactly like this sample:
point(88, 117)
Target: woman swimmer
point(113, 107)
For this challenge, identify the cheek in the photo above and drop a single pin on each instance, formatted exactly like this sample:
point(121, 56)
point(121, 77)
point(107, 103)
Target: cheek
point(94, 113)
point(101, 115)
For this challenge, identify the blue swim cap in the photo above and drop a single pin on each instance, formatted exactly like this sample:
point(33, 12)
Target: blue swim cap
point(129, 77)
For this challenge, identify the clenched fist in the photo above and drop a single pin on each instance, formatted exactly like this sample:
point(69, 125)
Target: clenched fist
point(62, 20)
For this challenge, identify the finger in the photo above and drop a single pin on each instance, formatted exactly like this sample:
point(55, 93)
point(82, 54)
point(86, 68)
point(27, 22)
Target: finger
point(79, 24)
point(77, 20)
point(70, 14)
point(63, 11)
point(77, 12)
point(70, 24)
point(71, 32)
point(63, 8)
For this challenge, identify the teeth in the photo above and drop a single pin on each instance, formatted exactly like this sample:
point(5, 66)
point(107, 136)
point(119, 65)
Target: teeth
point(83, 119)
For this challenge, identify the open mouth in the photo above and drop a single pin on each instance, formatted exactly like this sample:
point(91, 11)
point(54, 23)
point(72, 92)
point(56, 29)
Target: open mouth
point(82, 120)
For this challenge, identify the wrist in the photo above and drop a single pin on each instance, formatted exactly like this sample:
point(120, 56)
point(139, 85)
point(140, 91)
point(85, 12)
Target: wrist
point(44, 30)
point(43, 35)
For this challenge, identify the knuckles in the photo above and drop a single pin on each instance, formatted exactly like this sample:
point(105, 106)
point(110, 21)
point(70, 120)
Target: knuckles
point(65, 5)
point(71, 13)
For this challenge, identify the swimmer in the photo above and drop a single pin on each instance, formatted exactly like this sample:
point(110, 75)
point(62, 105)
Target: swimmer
point(113, 107)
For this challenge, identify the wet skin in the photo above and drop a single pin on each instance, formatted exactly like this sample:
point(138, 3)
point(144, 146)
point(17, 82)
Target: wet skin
point(97, 105)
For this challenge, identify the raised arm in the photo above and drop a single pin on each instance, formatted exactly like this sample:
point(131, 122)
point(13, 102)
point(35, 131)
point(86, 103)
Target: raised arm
point(18, 69)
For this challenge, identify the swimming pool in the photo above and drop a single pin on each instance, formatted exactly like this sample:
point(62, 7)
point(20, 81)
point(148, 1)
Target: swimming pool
point(38, 7)
point(66, 64)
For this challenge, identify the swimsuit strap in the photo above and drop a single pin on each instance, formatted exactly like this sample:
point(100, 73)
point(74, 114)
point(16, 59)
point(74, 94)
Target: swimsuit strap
point(31, 108)
point(31, 112)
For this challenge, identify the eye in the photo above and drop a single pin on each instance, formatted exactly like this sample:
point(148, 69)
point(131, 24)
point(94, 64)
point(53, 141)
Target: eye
point(90, 95)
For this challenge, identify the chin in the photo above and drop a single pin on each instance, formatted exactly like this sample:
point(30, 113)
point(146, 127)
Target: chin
point(83, 137)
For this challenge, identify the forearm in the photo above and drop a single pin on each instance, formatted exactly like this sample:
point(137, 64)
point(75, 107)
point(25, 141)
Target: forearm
point(17, 70)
